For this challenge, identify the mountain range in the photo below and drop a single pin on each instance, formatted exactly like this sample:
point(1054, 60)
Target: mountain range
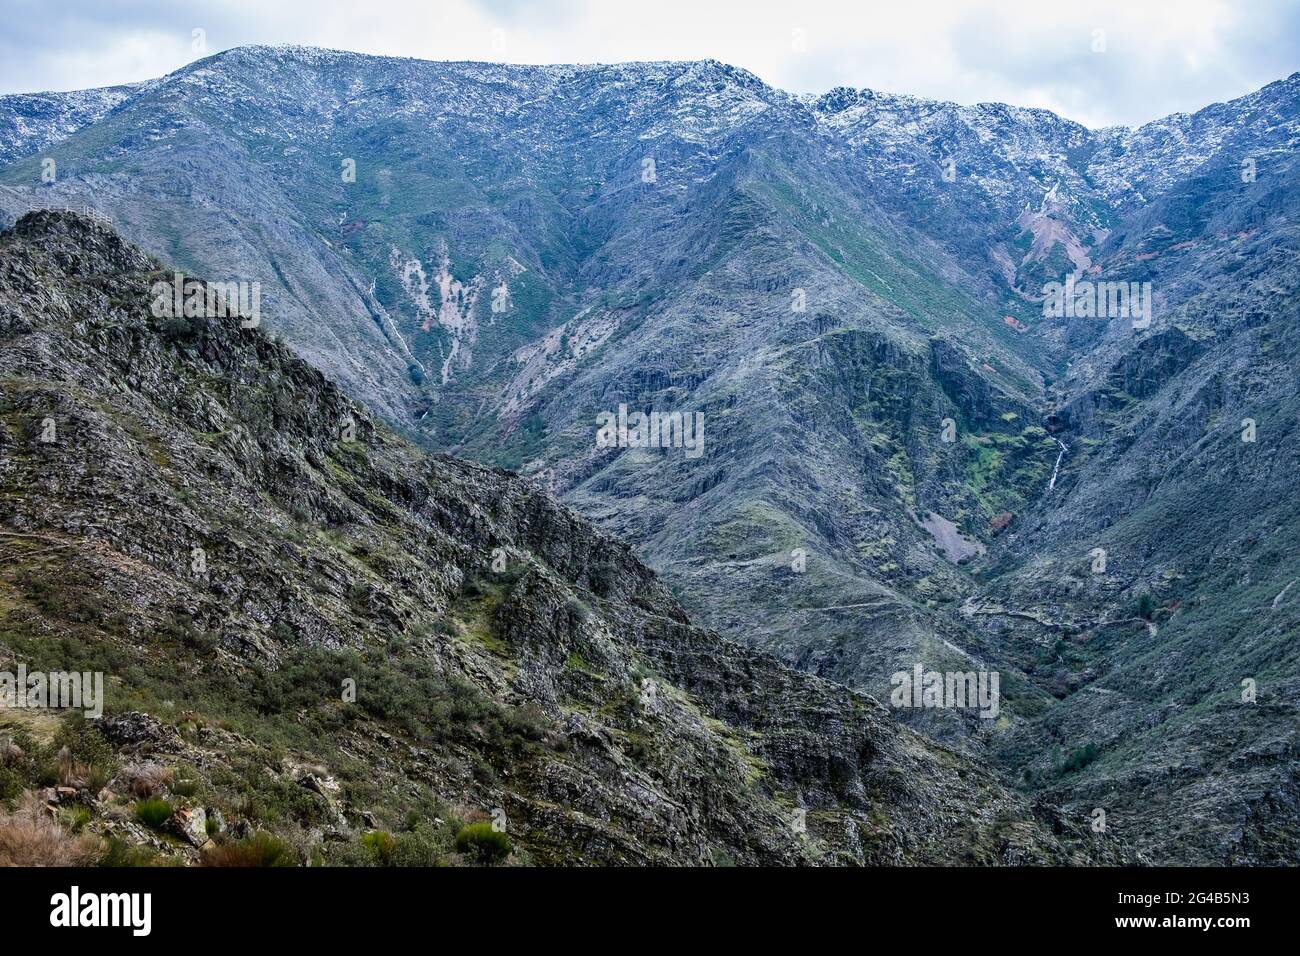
point(907, 459)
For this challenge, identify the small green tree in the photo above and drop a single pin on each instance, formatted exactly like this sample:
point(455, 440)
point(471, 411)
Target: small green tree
point(1146, 606)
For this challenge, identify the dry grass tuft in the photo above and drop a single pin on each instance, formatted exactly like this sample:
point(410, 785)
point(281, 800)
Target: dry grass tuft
point(261, 849)
point(144, 780)
point(31, 836)
point(78, 774)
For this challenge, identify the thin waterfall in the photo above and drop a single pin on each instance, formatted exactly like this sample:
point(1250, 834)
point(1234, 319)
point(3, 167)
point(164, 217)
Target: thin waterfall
point(1057, 470)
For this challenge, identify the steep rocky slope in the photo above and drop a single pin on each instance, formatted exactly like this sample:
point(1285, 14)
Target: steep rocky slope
point(524, 248)
point(201, 515)
point(1180, 478)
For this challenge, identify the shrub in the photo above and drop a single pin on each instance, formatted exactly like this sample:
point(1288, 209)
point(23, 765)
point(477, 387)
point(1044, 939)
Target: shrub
point(153, 813)
point(604, 578)
point(119, 853)
point(182, 330)
point(579, 613)
point(349, 855)
point(30, 836)
point(96, 778)
point(475, 587)
point(76, 818)
point(144, 780)
point(358, 596)
point(182, 629)
point(482, 843)
point(381, 844)
point(85, 758)
point(79, 774)
point(1080, 758)
point(440, 625)
point(424, 846)
point(11, 783)
point(261, 849)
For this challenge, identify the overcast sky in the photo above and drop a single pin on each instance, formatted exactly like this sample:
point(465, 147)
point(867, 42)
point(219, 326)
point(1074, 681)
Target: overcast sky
point(1104, 62)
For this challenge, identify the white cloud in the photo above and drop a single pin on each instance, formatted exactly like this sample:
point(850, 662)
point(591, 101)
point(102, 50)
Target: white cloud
point(1160, 56)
